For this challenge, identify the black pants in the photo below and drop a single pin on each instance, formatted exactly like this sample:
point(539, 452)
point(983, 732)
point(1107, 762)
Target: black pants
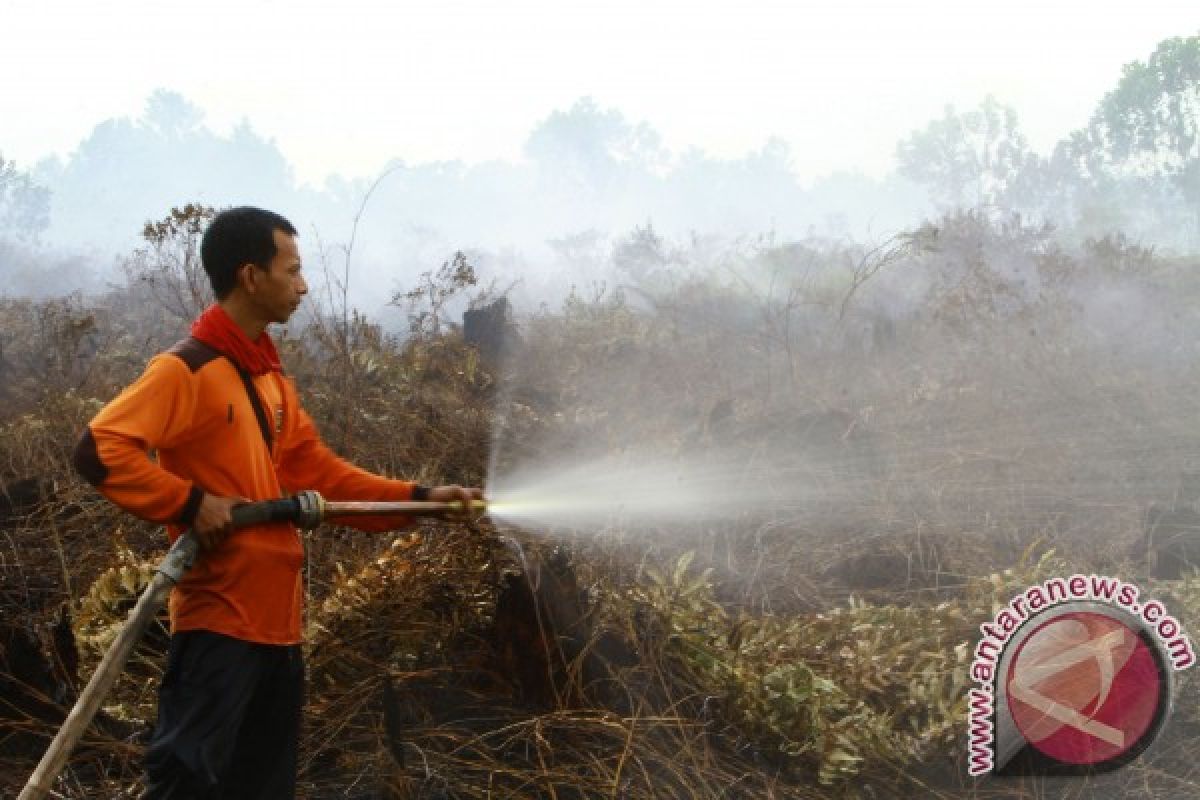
point(228, 720)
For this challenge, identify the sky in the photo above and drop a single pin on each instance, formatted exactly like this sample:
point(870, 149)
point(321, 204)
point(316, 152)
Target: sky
point(347, 87)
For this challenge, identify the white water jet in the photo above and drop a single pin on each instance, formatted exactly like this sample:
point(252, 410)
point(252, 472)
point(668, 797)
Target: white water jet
point(640, 488)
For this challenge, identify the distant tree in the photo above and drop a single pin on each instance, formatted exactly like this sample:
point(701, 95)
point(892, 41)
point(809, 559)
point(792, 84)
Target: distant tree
point(579, 253)
point(171, 115)
point(1150, 120)
point(128, 169)
point(643, 256)
point(24, 206)
point(1146, 132)
point(589, 146)
point(969, 159)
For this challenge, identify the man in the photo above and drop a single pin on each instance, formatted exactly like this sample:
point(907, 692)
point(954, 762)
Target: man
point(227, 428)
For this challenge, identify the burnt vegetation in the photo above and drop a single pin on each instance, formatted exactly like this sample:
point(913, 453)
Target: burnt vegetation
point(947, 455)
point(953, 414)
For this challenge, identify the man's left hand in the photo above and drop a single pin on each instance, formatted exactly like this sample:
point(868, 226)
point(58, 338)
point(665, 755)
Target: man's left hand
point(458, 494)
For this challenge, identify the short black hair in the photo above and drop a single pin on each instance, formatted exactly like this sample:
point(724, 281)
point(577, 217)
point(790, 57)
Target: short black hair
point(237, 236)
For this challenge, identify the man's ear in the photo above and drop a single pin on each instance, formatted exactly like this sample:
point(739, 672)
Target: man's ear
point(247, 277)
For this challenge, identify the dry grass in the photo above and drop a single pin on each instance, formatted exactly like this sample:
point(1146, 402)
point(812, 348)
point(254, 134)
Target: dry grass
point(971, 420)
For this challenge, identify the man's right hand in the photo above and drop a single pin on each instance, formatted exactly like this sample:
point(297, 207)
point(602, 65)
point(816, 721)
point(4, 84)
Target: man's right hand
point(214, 520)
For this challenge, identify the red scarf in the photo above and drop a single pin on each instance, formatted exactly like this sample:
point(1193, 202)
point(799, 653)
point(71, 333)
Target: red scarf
point(218, 330)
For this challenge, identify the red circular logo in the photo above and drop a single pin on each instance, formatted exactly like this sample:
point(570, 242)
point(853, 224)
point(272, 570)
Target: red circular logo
point(1084, 688)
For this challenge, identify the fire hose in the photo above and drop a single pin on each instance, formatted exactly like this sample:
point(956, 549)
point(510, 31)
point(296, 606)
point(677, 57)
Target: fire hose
point(306, 510)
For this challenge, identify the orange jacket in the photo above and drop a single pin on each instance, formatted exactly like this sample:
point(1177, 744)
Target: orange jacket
point(191, 406)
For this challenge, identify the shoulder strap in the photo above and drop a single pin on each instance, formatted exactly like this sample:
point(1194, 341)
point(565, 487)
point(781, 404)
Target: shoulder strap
point(260, 413)
point(196, 354)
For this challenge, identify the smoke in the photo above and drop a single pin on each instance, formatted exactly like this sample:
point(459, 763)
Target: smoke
point(966, 393)
point(718, 324)
point(586, 172)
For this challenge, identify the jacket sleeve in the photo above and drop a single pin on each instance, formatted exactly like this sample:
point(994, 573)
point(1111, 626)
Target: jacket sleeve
point(113, 455)
point(307, 463)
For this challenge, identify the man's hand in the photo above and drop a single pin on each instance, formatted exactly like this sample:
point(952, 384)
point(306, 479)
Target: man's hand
point(214, 520)
point(458, 494)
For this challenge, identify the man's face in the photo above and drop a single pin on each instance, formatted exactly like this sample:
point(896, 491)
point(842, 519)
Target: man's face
point(278, 290)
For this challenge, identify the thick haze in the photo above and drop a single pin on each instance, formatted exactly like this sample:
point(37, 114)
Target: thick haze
point(845, 300)
point(345, 91)
point(533, 136)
